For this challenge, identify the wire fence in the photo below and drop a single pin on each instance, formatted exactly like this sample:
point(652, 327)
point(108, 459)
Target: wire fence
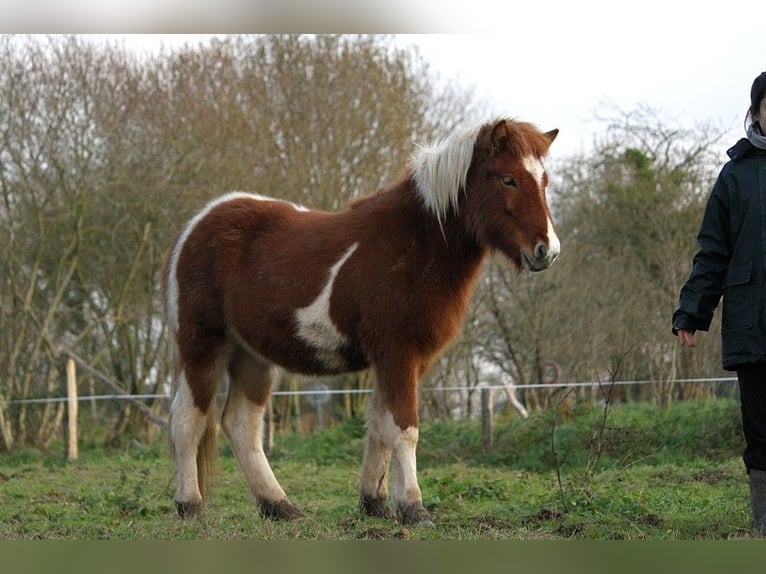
point(450, 389)
point(320, 395)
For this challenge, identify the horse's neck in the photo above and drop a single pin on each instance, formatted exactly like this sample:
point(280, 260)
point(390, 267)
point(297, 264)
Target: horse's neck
point(452, 262)
point(448, 245)
point(462, 254)
point(452, 248)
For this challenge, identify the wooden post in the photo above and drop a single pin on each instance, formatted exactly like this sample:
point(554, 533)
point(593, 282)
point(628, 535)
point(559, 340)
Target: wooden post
point(486, 417)
point(71, 388)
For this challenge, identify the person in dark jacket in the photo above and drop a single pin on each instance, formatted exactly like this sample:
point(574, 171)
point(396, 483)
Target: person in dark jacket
point(731, 263)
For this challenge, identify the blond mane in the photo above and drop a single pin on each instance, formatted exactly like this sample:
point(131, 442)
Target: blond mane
point(439, 170)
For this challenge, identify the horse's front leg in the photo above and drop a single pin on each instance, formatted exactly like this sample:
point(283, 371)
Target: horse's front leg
point(392, 435)
point(377, 458)
point(405, 490)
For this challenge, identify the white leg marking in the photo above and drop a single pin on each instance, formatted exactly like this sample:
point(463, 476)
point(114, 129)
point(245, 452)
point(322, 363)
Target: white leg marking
point(377, 454)
point(243, 425)
point(404, 483)
point(187, 425)
point(377, 458)
point(403, 443)
point(172, 294)
point(315, 325)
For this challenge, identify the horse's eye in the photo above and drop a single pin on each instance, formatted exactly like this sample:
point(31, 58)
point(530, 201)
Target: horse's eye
point(508, 181)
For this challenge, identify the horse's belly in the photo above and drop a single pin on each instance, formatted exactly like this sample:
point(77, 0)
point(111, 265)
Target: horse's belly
point(301, 358)
point(310, 356)
point(332, 362)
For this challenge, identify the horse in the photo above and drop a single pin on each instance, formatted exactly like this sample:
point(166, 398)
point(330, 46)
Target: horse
point(253, 284)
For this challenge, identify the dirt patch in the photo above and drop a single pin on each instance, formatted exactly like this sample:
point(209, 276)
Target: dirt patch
point(373, 534)
point(650, 519)
point(542, 517)
point(487, 521)
point(714, 476)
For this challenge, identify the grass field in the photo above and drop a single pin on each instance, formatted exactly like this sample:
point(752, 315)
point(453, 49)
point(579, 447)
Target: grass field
point(646, 473)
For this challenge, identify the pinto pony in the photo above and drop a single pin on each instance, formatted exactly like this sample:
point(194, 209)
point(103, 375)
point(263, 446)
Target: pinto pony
point(254, 283)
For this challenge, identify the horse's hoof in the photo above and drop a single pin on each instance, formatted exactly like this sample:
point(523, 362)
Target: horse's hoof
point(376, 506)
point(189, 509)
point(279, 510)
point(415, 515)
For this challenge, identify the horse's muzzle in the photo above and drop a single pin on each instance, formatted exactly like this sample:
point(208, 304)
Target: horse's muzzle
point(542, 258)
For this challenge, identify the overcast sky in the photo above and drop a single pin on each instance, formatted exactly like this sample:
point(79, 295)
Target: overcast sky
point(555, 63)
point(574, 74)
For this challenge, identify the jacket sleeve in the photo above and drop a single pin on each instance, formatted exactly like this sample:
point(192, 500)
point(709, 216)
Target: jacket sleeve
point(702, 292)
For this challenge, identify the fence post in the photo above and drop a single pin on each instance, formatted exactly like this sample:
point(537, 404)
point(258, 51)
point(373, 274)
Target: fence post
point(487, 423)
point(71, 388)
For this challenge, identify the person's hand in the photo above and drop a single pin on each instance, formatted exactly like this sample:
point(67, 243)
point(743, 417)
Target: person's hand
point(686, 338)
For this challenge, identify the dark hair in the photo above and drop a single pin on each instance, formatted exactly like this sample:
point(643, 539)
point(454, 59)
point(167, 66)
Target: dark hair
point(757, 92)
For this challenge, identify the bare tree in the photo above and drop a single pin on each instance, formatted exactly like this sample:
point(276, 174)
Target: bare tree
point(103, 155)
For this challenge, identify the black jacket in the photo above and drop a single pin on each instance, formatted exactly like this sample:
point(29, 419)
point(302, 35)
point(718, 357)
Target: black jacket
point(731, 260)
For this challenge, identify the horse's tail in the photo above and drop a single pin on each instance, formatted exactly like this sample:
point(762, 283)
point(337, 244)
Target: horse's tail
point(207, 454)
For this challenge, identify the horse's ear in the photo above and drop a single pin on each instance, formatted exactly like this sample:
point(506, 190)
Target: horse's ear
point(499, 136)
point(551, 135)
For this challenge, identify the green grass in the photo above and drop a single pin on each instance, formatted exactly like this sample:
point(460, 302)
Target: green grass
point(663, 474)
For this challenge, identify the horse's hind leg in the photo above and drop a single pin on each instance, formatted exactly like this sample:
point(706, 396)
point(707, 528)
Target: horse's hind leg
point(192, 430)
point(250, 381)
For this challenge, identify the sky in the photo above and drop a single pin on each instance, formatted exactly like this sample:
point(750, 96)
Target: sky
point(556, 63)
point(579, 75)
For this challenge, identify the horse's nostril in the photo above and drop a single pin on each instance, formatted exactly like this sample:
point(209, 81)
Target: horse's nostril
point(542, 251)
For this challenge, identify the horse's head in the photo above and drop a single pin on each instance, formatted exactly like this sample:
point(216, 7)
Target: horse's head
point(493, 178)
point(505, 205)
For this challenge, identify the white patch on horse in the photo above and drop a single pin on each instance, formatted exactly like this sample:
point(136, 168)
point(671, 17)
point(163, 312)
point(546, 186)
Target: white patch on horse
point(243, 423)
point(259, 197)
point(535, 168)
point(315, 326)
point(402, 444)
point(554, 245)
point(172, 287)
point(187, 424)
